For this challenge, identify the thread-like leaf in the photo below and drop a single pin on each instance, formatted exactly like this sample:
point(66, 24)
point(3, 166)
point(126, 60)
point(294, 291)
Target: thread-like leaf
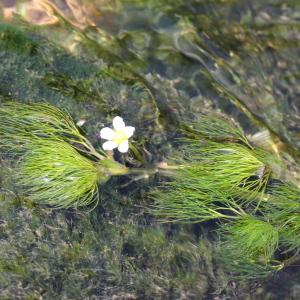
point(212, 181)
point(54, 165)
point(217, 128)
point(53, 172)
point(23, 123)
point(252, 237)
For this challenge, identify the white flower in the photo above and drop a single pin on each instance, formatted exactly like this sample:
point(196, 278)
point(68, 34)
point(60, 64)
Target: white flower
point(117, 137)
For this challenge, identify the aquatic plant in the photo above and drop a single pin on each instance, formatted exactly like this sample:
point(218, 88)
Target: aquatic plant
point(282, 209)
point(53, 172)
point(225, 167)
point(221, 176)
point(117, 137)
point(240, 267)
point(215, 127)
point(56, 164)
point(216, 174)
point(213, 181)
point(253, 237)
point(23, 123)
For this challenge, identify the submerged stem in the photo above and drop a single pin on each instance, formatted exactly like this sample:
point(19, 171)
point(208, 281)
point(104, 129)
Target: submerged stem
point(290, 261)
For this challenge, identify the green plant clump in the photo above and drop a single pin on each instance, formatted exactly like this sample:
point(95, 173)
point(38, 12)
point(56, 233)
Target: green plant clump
point(220, 176)
point(56, 164)
point(54, 172)
point(211, 178)
point(244, 233)
point(23, 123)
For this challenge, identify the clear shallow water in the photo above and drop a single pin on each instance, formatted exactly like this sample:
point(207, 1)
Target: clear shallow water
point(170, 60)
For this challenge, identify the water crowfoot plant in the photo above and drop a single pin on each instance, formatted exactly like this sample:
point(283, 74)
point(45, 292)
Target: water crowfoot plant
point(253, 236)
point(282, 209)
point(56, 164)
point(216, 174)
point(215, 127)
point(53, 172)
point(117, 138)
point(23, 123)
point(223, 177)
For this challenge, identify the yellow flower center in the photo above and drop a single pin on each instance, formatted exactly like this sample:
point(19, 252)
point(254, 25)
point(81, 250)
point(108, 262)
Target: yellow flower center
point(120, 136)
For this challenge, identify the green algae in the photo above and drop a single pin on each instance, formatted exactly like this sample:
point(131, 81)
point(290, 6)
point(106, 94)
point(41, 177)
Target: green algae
point(14, 40)
point(64, 254)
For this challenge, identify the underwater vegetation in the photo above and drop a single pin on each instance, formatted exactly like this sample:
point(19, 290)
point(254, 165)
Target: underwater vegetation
point(51, 155)
point(216, 174)
point(222, 177)
point(153, 62)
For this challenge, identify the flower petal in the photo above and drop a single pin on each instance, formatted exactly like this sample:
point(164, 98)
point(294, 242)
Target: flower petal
point(129, 130)
point(107, 133)
point(80, 123)
point(118, 123)
point(109, 145)
point(123, 147)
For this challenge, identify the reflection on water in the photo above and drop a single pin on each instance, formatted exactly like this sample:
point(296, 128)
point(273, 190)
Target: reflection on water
point(238, 57)
point(246, 51)
point(43, 12)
